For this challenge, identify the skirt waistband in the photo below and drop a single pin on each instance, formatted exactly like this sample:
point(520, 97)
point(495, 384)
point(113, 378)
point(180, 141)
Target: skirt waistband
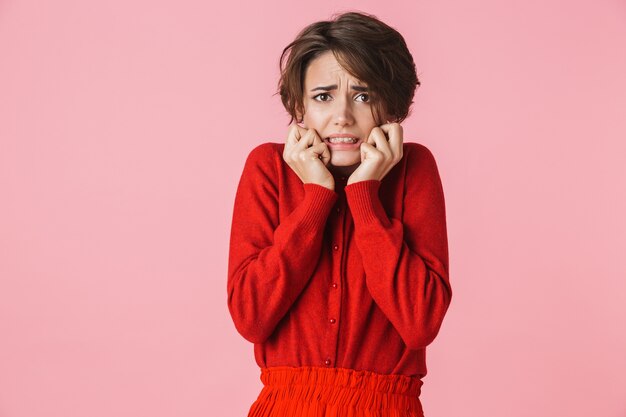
point(318, 391)
point(342, 377)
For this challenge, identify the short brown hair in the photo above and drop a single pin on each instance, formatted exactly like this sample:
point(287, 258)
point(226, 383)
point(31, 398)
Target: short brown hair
point(367, 49)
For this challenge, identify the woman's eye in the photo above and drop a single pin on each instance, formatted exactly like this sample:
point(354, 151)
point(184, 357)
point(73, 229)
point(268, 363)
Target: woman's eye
point(367, 97)
point(321, 94)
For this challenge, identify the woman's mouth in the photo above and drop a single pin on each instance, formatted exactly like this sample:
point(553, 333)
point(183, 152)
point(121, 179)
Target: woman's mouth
point(341, 143)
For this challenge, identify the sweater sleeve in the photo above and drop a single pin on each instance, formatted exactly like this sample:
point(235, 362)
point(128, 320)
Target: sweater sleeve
point(270, 262)
point(406, 261)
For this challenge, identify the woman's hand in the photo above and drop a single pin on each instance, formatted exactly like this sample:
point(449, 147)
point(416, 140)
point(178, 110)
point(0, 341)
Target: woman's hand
point(379, 154)
point(308, 156)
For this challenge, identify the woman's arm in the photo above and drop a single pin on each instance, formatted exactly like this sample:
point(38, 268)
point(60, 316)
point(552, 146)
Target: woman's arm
point(406, 262)
point(270, 263)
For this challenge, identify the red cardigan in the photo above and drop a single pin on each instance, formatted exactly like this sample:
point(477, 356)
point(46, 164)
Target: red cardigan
point(354, 278)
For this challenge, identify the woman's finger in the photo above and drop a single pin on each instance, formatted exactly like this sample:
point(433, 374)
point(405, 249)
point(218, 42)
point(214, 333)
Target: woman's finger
point(379, 140)
point(321, 150)
point(307, 139)
point(395, 133)
point(293, 134)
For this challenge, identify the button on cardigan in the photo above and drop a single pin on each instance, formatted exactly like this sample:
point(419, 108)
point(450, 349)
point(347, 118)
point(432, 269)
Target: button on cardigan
point(355, 277)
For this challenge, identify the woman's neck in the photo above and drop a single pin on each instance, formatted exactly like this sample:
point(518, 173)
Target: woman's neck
point(343, 170)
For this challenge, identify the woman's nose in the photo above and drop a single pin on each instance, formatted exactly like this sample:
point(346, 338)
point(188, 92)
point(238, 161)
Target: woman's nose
point(343, 112)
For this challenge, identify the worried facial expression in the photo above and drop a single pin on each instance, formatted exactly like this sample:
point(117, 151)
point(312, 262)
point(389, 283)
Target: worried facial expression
point(337, 105)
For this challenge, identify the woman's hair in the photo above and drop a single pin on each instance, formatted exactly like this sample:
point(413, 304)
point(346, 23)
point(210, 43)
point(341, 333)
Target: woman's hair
point(367, 49)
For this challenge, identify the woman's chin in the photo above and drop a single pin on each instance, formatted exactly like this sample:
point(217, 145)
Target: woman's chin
point(339, 160)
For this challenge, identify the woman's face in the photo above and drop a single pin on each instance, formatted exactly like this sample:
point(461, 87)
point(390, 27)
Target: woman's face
point(337, 104)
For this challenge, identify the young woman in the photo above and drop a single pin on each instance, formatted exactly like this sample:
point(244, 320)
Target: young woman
point(338, 263)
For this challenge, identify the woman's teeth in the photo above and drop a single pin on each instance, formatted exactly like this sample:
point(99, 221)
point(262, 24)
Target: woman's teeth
point(342, 140)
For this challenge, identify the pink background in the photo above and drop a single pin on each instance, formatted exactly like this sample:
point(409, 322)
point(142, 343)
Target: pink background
point(124, 126)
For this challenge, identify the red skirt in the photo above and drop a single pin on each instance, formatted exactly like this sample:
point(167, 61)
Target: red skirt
point(335, 392)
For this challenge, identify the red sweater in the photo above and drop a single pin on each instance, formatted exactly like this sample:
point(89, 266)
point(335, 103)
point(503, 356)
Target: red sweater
point(354, 278)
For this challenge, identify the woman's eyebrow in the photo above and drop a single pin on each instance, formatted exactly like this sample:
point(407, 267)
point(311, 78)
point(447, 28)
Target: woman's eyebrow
point(334, 86)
